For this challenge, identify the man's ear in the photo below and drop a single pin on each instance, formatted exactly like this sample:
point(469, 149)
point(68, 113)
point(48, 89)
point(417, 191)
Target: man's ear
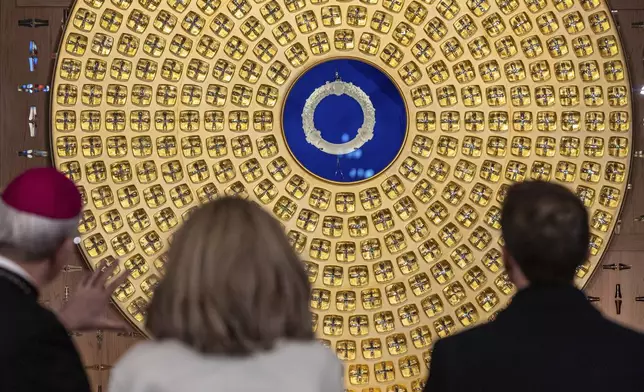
point(508, 260)
point(513, 270)
point(65, 254)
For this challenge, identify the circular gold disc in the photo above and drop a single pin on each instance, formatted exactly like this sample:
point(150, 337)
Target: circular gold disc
point(160, 105)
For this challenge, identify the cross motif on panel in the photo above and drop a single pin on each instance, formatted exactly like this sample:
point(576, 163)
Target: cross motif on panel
point(180, 43)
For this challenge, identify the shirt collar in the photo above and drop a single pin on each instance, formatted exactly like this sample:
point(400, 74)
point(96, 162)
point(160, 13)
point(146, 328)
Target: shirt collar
point(16, 269)
point(539, 301)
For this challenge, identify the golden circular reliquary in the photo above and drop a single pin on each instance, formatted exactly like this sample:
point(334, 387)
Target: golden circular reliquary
point(159, 105)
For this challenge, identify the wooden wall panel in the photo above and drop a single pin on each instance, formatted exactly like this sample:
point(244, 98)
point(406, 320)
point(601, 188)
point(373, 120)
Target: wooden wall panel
point(615, 289)
point(100, 350)
point(626, 4)
point(14, 71)
point(43, 3)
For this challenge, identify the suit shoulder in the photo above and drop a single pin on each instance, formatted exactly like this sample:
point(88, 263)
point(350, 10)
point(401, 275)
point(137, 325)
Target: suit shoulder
point(626, 335)
point(28, 318)
point(46, 320)
point(473, 337)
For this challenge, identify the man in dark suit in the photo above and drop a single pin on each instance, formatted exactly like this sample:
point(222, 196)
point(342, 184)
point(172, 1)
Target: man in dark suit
point(550, 338)
point(39, 213)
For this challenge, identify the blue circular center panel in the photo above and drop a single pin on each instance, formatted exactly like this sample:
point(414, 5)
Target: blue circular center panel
point(338, 118)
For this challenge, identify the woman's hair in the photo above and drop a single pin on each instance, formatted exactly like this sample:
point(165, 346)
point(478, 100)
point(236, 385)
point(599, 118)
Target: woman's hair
point(233, 284)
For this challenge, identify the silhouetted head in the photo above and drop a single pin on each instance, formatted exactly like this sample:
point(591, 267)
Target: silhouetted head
point(39, 215)
point(545, 228)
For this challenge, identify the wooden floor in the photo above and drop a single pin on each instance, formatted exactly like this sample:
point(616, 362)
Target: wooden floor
point(615, 288)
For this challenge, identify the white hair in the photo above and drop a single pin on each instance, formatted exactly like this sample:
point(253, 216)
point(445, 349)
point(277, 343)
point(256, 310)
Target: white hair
point(31, 236)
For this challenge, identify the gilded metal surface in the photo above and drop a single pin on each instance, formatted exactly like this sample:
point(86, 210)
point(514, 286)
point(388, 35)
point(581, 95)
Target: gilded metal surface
point(159, 105)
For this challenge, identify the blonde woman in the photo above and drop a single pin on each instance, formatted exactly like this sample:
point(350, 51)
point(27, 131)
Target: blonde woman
point(232, 313)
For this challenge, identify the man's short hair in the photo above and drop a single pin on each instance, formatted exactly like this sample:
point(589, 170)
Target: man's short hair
point(29, 237)
point(545, 229)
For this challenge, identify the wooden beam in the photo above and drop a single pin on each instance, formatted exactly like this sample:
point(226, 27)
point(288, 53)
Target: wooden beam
point(44, 3)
